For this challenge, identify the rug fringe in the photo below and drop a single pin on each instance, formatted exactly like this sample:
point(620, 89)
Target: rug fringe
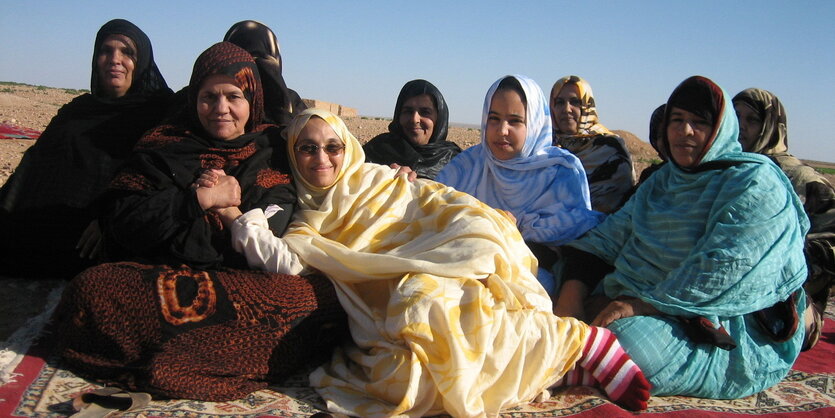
point(13, 349)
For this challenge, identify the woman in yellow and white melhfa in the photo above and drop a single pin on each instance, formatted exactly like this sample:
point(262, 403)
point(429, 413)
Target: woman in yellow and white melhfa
point(445, 311)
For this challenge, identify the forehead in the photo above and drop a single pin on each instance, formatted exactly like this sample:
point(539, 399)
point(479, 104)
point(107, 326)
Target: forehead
point(569, 90)
point(117, 39)
point(681, 112)
point(317, 130)
point(509, 99)
point(420, 101)
point(219, 82)
point(745, 108)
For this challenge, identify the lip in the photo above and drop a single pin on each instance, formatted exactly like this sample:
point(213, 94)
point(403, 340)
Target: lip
point(684, 145)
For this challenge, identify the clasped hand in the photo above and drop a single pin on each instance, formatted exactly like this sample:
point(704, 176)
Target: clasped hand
point(216, 190)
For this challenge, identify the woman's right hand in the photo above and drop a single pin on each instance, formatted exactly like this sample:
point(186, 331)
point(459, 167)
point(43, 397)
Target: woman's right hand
point(224, 193)
point(228, 215)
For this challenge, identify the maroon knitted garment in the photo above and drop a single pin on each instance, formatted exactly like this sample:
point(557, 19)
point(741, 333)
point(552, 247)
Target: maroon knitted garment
point(187, 333)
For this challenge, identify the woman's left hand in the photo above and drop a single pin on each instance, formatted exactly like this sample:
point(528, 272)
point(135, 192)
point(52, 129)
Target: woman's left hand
point(410, 174)
point(208, 178)
point(623, 308)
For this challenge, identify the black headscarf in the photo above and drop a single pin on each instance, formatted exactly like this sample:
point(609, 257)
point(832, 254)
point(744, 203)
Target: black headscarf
point(48, 201)
point(704, 98)
point(655, 133)
point(153, 212)
point(280, 102)
point(147, 80)
point(393, 147)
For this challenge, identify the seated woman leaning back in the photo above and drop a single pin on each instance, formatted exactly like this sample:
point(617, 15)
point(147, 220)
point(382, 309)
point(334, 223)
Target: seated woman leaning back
point(444, 309)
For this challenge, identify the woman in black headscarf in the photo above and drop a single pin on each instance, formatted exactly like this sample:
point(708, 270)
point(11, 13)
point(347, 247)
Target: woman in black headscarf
point(47, 204)
point(186, 318)
point(417, 133)
point(280, 102)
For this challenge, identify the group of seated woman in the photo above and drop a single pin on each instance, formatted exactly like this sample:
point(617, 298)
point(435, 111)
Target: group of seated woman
point(247, 240)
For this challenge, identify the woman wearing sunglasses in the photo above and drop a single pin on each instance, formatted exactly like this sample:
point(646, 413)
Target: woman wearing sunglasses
point(444, 309)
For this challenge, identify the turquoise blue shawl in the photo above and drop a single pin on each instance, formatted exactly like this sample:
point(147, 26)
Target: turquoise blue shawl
point(707, 241)
point(545, 187)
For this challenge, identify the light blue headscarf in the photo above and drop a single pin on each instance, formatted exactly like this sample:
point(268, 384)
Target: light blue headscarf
point(724, 238)
point(545, 187)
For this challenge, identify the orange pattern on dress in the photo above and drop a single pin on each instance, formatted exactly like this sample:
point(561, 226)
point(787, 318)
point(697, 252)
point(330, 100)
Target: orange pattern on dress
point(268, 178)
point(202, 306)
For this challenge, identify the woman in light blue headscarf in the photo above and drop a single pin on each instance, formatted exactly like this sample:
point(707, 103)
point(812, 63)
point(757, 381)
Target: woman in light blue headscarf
point(707, 256)
point(515, 168)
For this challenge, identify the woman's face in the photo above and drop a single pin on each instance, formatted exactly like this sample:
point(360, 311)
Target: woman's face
point(750, 125)
point(319, 153)
point(506, 125)
point(688, 134)
point(417, 118)
point(115, 62)
point(222, 107)
point(567, 109)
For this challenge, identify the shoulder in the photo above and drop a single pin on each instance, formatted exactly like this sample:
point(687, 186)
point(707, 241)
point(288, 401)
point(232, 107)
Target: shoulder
point(461, 166)
point(613, 142)
point(467, 157)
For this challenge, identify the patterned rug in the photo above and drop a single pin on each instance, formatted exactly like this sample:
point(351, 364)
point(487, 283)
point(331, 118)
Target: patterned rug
point(41, 388)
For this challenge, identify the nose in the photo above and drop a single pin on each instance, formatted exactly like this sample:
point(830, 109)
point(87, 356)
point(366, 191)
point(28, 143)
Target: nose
point(741, 127)
point(320, 154)
point(416, 117)
point(504, 127)
point(221, 105)
point(686, 128)
point(115, 57)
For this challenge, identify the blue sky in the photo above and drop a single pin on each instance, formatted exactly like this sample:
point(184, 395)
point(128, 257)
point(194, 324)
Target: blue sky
point(359, 54)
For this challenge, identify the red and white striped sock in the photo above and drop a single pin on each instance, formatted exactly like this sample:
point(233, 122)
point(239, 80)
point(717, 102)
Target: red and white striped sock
point(577, 376)
point(614, 370)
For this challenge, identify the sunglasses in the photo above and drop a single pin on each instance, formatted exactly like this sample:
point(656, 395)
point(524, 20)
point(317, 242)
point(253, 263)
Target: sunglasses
point(311, 149)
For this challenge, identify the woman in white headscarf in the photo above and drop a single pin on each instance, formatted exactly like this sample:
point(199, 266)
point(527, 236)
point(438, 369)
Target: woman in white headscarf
point(515, 168)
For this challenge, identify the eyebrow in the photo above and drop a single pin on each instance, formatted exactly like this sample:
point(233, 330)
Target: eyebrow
point(327, 141)
point(493, 112)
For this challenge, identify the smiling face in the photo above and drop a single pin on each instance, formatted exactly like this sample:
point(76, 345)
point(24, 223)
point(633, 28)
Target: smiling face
point(687, 134)
point(750, 125)
point(506, 125)
point(319, 153)
point(566, 108)
point(417, 118)
point(115, 63)
point(222, 107)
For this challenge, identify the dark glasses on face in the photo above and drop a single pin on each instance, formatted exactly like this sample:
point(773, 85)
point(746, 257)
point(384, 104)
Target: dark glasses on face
point(311, 149)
